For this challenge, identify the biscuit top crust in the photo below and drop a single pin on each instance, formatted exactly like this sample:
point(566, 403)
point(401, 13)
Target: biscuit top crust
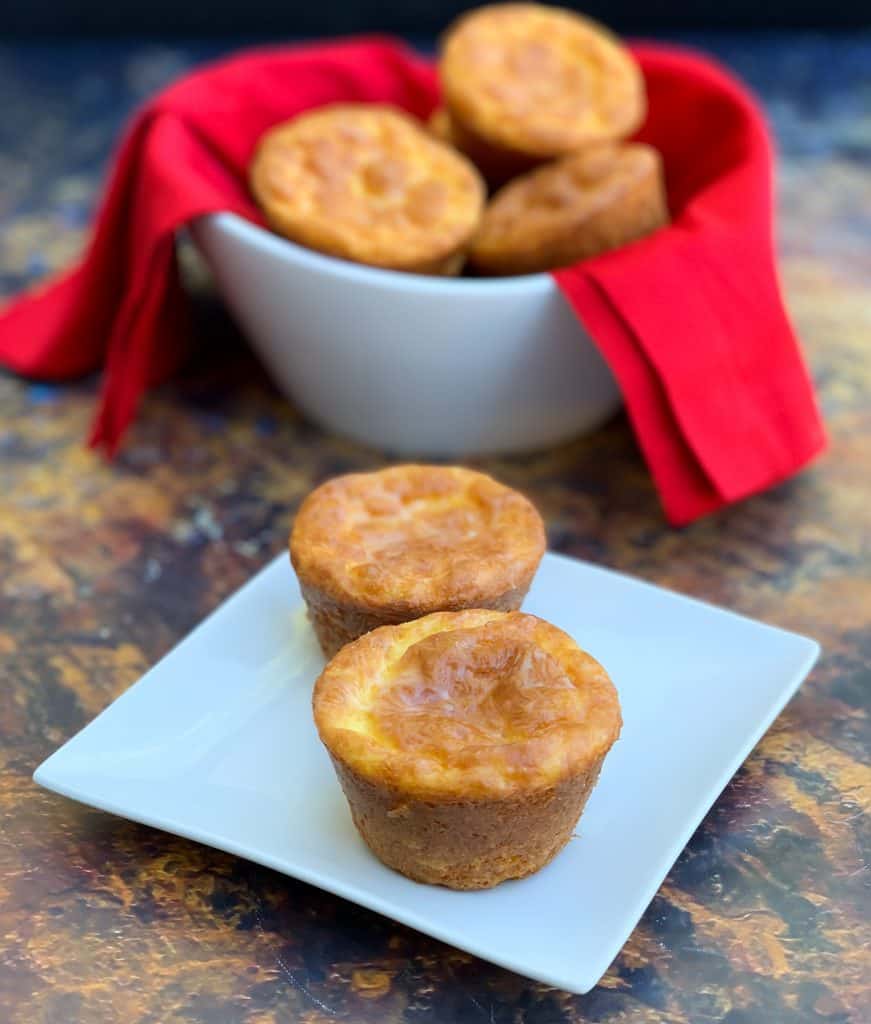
point(466, 705)
point(540, 80)
point(367, 183)
point(412, 539)
point(545, 204)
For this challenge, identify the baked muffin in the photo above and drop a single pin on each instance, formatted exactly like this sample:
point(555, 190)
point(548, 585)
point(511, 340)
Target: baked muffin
point(385, 547)
point(467, 743)
point(440, 125)
point(496, 165)
point(539, 82)
point(572, 209)
point(368, 183)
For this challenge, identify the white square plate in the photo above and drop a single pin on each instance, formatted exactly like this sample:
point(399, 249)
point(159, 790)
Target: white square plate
point(217, 743)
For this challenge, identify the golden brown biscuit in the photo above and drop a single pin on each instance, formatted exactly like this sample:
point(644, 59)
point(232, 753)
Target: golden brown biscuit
point(466, 742)
point(368, 183)
point(539, 82)
point(439, 124)
point(377, 548)
point(572, 209)
point(496, 165)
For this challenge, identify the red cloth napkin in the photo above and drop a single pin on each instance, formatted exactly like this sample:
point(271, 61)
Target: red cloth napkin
point(690, 320)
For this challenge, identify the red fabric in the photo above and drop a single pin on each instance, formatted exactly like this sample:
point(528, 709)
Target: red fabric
point(690, 319)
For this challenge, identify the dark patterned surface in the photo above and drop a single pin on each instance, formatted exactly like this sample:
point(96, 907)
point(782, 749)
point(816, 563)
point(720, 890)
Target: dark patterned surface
point(765, 917)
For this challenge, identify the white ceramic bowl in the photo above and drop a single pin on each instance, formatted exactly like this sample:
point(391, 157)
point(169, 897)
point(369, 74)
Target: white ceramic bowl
point(411, 364)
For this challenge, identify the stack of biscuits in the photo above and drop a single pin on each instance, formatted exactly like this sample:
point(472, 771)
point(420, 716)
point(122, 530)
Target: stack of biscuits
point(525, 168)
point(465, 734)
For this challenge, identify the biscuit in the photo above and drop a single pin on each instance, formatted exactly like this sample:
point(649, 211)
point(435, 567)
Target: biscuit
point(368, 183)
point(572, 209)
point(496, 165)
point(539, 82)
point(440, 125)
point(385, 547)
point(466, 743)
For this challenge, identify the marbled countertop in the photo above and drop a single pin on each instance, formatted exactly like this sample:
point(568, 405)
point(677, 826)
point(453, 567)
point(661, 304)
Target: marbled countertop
point(764, 918)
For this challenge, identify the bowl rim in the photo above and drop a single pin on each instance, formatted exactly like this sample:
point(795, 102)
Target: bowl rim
point(252, 234)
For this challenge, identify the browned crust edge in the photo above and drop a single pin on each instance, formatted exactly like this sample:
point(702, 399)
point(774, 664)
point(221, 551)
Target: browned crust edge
point(336, 624)
point(466, 844)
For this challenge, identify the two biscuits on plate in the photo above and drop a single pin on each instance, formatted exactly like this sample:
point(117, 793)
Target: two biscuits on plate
point(466, 735)
point(538, 101)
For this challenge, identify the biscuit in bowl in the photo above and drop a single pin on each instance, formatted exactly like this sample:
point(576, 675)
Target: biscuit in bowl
point(572, 209)
point(496, 165)
point(539, 82)
point(376, 548)
point(440, 125)
point(466, 743)
point(368, 183)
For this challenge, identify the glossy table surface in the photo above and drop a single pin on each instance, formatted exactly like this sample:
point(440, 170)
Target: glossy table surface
point(765, 916)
